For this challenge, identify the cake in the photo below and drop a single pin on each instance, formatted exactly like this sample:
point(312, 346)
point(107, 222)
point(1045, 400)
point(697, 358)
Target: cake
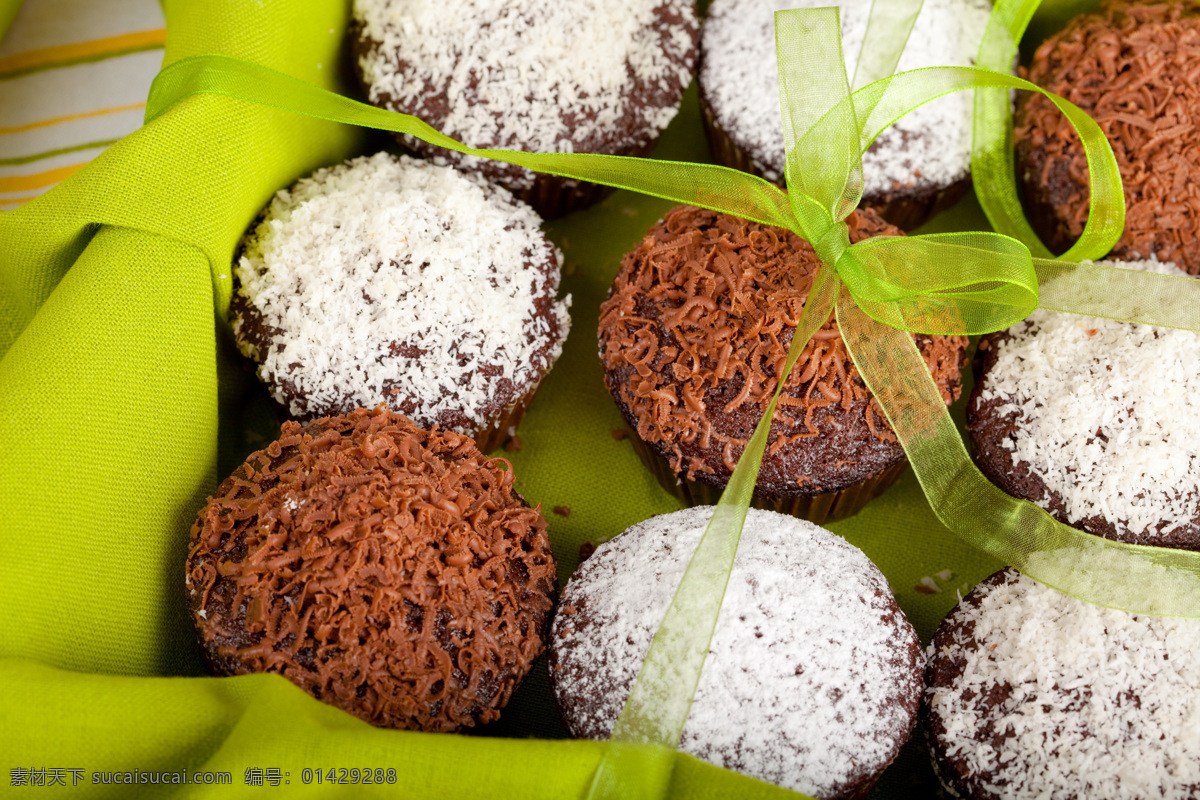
point(392, 280)
point(914, 169)
point(1131, 67)
point(592, 76)
point(696, 325)
point(1095, 420)
point(389, 571)
point(1035, 694)
point(813, 677)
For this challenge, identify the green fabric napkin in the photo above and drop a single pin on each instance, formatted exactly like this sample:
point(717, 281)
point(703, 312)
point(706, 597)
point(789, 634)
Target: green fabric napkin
point(122, 402)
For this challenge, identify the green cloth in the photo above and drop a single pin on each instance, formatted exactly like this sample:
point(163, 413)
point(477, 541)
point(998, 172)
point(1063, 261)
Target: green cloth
point(122, 403)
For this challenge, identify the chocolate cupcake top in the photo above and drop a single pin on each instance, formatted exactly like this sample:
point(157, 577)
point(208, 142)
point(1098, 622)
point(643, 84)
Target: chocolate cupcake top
point(397, 281)
point(695, 329)
point(591, 76)
point(1035, 694)
point(389, 571)
point(1097, 421)
point(812, 680)
point(930, 147)
point(1131, 66)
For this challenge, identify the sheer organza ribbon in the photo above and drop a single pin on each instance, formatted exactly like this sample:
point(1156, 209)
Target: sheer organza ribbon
point(882, 290)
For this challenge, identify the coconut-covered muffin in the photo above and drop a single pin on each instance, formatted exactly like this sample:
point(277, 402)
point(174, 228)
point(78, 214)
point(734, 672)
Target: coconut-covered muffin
point(813, 677)
point(392, 280)
point(1131, 66)
point(591, 76)
point(1095, 420)
point(1035, 694)
point(386, 570)
point(914, 169)
point(693, 334)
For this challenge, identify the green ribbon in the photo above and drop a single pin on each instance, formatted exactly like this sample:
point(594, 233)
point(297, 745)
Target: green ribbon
point(949, 284)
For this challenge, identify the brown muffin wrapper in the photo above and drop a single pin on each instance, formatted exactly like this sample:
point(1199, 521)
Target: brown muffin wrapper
point(498, 434)
point(554, 196)
point(818, 508)
point(905, 212)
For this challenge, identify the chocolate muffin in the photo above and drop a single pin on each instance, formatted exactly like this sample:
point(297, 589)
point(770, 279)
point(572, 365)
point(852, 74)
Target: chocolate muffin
point(592, 76)
point(392, 280)
point(695, 328)
point(1131, 67)
point(386, 570)
point(813, 677)
point(1097, 421)
point(914, 169)
point(1033, 694)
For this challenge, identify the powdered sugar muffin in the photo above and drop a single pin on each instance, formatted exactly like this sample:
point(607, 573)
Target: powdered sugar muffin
point(1095, 420)
point(1034, 694)
point(813, 678)
point(917, 167)
point(393, 280)
point(590, 76)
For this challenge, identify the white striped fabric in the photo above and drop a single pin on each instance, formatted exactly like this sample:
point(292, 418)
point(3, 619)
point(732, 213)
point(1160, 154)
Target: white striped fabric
point(73, 79)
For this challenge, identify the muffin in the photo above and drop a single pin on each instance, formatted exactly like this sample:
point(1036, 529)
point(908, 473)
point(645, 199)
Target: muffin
point(813, 677)
point(1131, 67)
point(1033, 694)
point(695, 328)
point(594, 76)
point(1097, 421)
point(914, 169)
point(389, 571)
point(393, 280)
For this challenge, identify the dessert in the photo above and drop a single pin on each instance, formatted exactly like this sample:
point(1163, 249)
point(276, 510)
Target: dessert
point(1130, 66)
point(393, 280)
point(386, 570)
point(813, 676)
point(1095, 420)
point(698, 322)
point(914, 169)
point(594, 76)
point(1032, 693)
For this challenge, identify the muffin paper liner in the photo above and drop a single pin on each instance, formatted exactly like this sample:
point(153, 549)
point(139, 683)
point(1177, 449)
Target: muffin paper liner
point(818, 508)
point(554, 196)
point(504, 428)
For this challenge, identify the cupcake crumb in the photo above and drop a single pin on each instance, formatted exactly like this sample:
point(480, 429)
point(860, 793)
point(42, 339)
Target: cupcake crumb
point(562, 511)
point(514, 444)
point(585, 551)
point(620, 433)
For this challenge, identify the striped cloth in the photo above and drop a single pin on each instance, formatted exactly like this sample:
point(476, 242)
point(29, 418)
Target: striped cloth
point(74, 75)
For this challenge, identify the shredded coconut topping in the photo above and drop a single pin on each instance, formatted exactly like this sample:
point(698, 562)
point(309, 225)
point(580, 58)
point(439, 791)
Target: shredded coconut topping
point(393, 280)
point(1038, 695)
point(930, 147)
point(813, 671)
point(539, 76)
point(1106, 413)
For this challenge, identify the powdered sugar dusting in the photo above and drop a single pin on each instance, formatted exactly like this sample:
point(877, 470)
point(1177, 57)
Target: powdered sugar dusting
point(1103, 703)
point(539, 75)
point(393, 280)
point(1107, 415)
point(930, 147)
point(812, 675)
